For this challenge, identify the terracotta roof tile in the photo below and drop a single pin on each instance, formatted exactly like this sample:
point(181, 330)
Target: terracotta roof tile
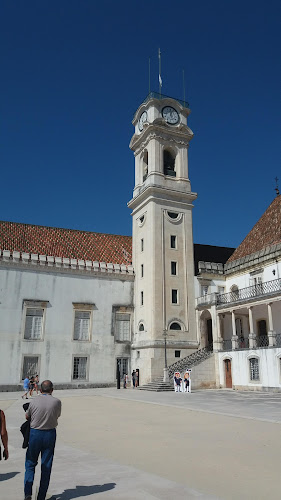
point(266, 232)
point(70, 243)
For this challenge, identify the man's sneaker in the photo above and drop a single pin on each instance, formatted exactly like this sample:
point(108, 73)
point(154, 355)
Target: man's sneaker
point(29, 497)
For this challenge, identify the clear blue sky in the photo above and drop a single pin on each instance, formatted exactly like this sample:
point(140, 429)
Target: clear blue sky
point(74, 72)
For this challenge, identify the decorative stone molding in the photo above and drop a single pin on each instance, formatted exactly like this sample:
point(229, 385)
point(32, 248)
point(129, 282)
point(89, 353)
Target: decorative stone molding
point(49, 262)
point(210, 267)
point(272, 252)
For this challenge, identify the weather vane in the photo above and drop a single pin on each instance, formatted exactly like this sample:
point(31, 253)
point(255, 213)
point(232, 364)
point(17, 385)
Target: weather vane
point(277, 188)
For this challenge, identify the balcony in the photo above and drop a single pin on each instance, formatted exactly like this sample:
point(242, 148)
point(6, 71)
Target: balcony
point(258, 291)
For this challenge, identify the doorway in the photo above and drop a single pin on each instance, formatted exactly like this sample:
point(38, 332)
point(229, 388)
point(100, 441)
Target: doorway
point(209, 332)
point(227, 371)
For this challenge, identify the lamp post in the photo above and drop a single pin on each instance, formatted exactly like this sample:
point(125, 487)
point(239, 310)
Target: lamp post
point(166, 373)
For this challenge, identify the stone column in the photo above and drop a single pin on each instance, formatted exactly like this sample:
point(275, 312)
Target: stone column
point(252, 335)
point(214, 326)
point(271, 332)
point(219, 339)
point(234, 336)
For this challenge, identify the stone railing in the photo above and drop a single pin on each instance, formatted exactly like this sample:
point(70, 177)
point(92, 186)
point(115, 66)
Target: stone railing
point(47, 261)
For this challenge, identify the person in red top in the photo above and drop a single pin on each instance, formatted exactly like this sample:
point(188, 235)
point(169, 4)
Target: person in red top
point(4, 435)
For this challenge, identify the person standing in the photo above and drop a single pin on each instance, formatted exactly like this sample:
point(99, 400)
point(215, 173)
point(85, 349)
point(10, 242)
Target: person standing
point(134, 378)
point(43, 413)
point(36, 383)
point(31, 386)
point(4, 435)
point(25, 387)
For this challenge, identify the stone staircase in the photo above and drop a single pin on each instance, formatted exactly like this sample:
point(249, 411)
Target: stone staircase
point(190, 361)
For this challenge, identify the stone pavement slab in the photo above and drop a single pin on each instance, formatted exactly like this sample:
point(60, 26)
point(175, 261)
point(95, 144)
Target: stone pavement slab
point(131, 444)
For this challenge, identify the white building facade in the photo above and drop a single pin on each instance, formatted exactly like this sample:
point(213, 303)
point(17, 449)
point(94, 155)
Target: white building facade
point(78, 308)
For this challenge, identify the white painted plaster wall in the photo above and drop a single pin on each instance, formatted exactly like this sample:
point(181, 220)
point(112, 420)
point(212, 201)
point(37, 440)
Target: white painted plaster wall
point(57, 348)
point(269, 368)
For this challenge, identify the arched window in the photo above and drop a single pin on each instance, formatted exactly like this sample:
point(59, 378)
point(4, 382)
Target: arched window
point(175, 326)
point(234, 292)
point(144, 165)
point(141, 327)
point(169, 163)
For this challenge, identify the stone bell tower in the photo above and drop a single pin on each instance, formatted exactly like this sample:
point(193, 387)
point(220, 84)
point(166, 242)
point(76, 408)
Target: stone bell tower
point(162, 236)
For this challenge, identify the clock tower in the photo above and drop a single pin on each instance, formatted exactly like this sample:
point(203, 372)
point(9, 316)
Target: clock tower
point(162, 236)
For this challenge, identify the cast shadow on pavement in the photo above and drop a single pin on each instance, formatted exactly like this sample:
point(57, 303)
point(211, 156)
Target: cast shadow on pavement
point(83, 491)
point(8, 475)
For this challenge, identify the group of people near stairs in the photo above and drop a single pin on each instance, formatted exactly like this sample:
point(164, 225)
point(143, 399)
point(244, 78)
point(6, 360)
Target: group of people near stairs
point(42, 415)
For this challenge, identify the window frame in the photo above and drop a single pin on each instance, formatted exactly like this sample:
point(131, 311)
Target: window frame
point(36, 305)
point(38, 356)
point(83, 307)
point(177, 297)
point(117, 339)
point(254, 380)
point(79, 356)
point(175, 266)
point(175, 241)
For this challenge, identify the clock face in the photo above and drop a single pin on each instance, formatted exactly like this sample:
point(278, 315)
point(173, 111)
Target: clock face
point(143, 118)
point(170, 115)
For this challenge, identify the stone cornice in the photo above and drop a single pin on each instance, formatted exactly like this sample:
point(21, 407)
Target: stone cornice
point(30, 261)
point(171, 344)
point(180, 135)
point(270, 253)
point(157, 192)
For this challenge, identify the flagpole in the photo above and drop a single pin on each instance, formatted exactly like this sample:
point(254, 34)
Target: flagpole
point(160, 80)
point(183, 85)
point(149, 75)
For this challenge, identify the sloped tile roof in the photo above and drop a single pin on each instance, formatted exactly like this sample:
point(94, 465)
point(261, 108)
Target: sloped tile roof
point(266, 232)
point(85, 245)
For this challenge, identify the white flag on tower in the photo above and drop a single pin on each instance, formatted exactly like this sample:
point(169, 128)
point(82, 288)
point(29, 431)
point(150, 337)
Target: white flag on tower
point(159, 57)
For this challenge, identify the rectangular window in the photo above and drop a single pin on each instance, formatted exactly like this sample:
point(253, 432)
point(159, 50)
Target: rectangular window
point(254, 369)
point(82, 325)
point(173, 241)
point(79, 368)
point(174, 296)
point(142, 245)
point(122, 364)
point(173, 268)
point(141, 270)
point(33, 327)
point(141, 299)
point(123, 327)
point(30, 366)
point(177, 354)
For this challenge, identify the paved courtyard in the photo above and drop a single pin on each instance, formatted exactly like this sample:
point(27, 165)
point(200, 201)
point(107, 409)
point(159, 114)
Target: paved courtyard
point(132, 444)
